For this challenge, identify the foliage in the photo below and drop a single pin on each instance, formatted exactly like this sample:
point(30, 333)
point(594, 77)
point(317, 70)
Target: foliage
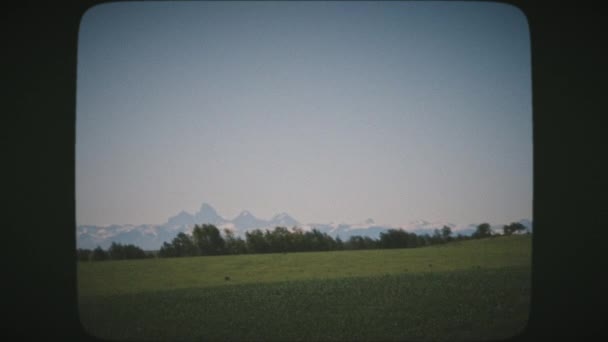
point(483, 230)
point(167, 250)
point(256, 242)
point(207, 240)
point(182, 245)
point(99, 254)
point(446, 233)
point(396, 238)
point(514, 227)
point(360, 242)
point(119, 252)
point(234, 245)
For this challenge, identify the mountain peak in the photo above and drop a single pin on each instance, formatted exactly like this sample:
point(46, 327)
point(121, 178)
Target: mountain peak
point(182, 218)
point(206, 205)
point(280, 216)
point(283, 219)
point(207, 214)
point(245, 220)
point(245, 213)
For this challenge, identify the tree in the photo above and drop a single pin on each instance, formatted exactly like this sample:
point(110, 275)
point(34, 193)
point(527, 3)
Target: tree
point(133, 252)
point(116, 251)
point(483, 230)
point(354, 242)
point(256, 241)
point(183, 245)
point(369, 243)
point(320, 241)
point(339, 244)
point(233, 245)
point(99, 254)
point(279, 240)
point(421, 240)
point(436, 238)
point(360, 242)
point(208, 240)
point(397, 238)
point(514, 227)
point(299, 240)
point(412, 240)
point(167, 251)
point(446, 233)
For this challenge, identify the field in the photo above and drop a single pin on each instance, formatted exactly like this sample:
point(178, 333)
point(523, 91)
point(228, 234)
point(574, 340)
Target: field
point(468, 290)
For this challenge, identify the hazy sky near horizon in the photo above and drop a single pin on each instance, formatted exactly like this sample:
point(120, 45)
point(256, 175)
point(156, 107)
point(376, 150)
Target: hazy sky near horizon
point(329, 111)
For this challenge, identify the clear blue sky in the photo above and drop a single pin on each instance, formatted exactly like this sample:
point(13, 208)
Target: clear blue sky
point(330, 111)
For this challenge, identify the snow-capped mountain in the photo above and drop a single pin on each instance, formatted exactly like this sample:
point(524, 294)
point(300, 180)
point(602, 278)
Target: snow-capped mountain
point(146, 236)
point(206, 214)
point(283, 220)
point(183, 218)
point(246, 221)
point(151, 237)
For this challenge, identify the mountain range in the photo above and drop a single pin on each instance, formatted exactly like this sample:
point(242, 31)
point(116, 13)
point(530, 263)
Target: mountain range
point(151, 237)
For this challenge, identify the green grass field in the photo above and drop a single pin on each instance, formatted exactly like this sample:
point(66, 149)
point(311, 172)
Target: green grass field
point(469, 290)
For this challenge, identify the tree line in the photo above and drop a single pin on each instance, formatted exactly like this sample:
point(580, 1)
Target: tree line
point(116, 251)
point(206, 239)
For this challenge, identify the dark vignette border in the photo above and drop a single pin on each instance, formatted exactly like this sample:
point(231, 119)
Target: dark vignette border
point(568, 72)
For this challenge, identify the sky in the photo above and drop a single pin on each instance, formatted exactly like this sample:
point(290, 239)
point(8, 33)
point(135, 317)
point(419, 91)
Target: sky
point(329, 111)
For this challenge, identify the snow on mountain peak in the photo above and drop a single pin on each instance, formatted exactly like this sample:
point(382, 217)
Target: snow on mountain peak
point(283, 219)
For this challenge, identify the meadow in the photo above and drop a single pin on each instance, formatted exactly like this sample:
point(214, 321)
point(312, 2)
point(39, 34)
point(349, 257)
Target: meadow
point(467, 290)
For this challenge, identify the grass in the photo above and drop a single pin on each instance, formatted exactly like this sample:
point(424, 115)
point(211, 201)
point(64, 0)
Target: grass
point(467, 290)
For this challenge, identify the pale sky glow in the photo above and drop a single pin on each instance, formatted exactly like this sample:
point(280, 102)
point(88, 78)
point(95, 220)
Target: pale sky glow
point(329, 111)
